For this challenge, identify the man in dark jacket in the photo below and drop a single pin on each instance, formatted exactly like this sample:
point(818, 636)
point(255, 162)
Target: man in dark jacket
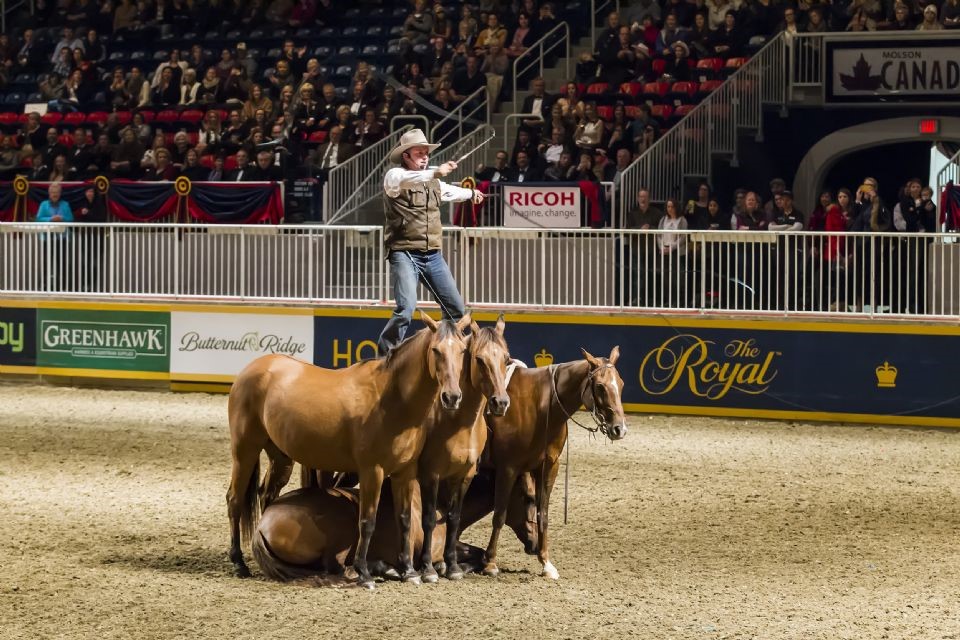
point(413, 193)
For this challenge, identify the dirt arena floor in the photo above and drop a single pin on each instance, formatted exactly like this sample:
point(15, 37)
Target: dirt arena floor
point(113, 525)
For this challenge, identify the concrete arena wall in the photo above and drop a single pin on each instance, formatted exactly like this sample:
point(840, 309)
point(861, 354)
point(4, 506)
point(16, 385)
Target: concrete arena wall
point(812, 370)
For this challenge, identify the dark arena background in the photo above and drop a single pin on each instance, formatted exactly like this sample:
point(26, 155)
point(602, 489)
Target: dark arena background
point(755, 201)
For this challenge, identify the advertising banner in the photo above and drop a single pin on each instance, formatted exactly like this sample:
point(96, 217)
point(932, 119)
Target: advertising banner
point(18, 337)
point(765, 369)
point(541, 206)
point(896, 70)
point(103, 340)
point(216, 346)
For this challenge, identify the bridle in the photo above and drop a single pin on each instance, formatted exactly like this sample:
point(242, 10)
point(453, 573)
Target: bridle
point(602, 424)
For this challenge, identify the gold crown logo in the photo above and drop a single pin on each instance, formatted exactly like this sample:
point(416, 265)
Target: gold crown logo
point(543, 359)
point(886, 375)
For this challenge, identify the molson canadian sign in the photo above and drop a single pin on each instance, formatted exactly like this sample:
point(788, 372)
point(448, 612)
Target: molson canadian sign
point(217, 346)
point(899, 70)
point(108, 340)
point(18, 341)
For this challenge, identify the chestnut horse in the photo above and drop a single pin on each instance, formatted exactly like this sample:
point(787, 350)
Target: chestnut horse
point(455, 440)
point(531, 436)
point(366, 418)
point(309, 533)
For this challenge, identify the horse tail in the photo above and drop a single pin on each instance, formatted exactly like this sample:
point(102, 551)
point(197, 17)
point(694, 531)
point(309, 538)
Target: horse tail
point(277, 569)
point(250, 506)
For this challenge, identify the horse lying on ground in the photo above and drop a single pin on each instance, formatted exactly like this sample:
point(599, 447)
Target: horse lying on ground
point(366, 419)
point(310, 533)
point(531, 436)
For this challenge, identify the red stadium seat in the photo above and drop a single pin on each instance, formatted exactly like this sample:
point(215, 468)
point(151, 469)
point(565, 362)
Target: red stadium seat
point(52, 118)
point(706, 88)
point(659, 66)
point(97, 117)
point(318, 137)
point(597, 88)
point(167, 116)
point(655, 92)
point(230, 163)
point(207, 161)
point(23, 118)
point(605, 113)
point(682, 93)
point(581, 88)
point(708, 68)
point(680, 112)
point(732, 65)
point(194, 138)
point(124, 118)
point(74, 119)
point(168, 139)
point(632, 112)
point(148, 115)
point(191, 116)
point(632, 89)
point(8, 119)
point(66, 140)
point(661, 112)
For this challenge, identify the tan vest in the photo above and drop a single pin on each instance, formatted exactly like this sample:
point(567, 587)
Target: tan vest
point(413, 218)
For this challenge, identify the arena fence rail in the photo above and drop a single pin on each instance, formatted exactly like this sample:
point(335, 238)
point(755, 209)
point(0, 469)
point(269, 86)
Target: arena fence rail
point(784, 274)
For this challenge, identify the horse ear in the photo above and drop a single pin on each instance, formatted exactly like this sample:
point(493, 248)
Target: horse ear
point(464, 322)
point(501, 325)
point(614, 354)
point(474, 327)
point(591, 359)
point(427, 320)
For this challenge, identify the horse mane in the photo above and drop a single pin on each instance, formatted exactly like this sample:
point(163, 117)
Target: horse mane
point(446, 328)
point(485, 336)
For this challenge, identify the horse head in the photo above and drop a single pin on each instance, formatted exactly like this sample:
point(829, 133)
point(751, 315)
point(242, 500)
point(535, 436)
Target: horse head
point(445, 357)
point(489, 356)
point(601, 394)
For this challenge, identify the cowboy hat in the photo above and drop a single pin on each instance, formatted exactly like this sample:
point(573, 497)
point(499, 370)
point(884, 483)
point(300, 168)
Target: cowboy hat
point(412, 138)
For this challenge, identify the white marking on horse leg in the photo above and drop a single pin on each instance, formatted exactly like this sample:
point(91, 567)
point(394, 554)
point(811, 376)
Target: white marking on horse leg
point(550, 571)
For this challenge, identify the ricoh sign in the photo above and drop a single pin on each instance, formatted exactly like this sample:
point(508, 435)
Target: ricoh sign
point(899, 71)
point(541, 207)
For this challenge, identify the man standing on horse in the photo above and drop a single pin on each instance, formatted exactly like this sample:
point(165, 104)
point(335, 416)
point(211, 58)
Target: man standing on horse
point(412, 233)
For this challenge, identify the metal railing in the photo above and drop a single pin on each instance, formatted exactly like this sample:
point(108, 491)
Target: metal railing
point(469, 114)
point(468, 142)
point(887, 275)
point(950, 172)
point(9, 6)
point(357, 181)
point(686, 151)
point(534, 57)
point(405, 120)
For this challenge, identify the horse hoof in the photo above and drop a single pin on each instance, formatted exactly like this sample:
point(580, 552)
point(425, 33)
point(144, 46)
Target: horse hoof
point(550, 571)
point(412, 577)
point(454, 573)
point(367, 584)
point(491, 570)
point(440, 567)
point(430, 575)
point(391, 574)
point(242, 571)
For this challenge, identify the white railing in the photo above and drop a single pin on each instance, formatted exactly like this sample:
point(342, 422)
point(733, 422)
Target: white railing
point(686, 151)
point(355, 182)
point(785, 274)
point(534, 57)
point(469, 114)
point(950, 172)
point(473, 143)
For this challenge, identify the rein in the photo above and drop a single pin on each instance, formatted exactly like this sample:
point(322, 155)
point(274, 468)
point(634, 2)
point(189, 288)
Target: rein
point(594, 412)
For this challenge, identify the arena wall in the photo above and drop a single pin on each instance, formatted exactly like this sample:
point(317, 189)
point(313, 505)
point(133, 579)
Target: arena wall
point(813, 370)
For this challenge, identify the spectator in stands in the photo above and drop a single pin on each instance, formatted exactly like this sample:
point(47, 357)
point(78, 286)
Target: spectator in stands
point(499, 172)
point(928, 212)
point(818, 217)
point(701, 36)
point(845, 201)
point(189, 88)
point(788, 218)
point(717, 11)
point(236, 87)
point(716, 219)
point(141, 127)
point(930, 22)
point(59, 169)
point(618, 139)
point(281, 77)
point(570, 103)
point(538, 102)
point(198, 60)
point(51, 87)
point(162, 168)
point(149, 158)
point(54, 209)
point(77, 92)
point(584, 170)
point(371, 86)
point(211, 133)
point(950, 13)
point(244, 172)
point(590, 132)
point(369, 130)
point(124, 17)
point(872, 8)
point(167, 91)
point(176, 66)
point(210, 90)
point(522, 37)
point(644, 215)
point(418, 25)
point(619, 60)
point(546, 20)
point(646, 140)
point(676, 67)
point(327, 107)
point(243, 59)
point(752, 217)
point(525, 170)
point(284, 105)
point(345, 121)
point(217, 173)
point(442, 28)
point(117, 95)
point(390, 105)
point(697, 212)
point(670, 33)
point(496, 65)
point(192, 169)
point(331, 153)
point(266, 169)
point(789, 26)
point(52, 147)
point(729, 39)
point(278, 11)
point(495, 33)
point(304, 13)
point(562, 170)
point(610, 35)
point(672, 245)
point(63, 66)
point(102, 152)
point(777, 186)
point(181, 145)
point(901, 21)
point(558, 144)
point(29, 54)
point(235, 132)
point(80, 156)
point(67, 42)
point(468, 81)
point(614, 171)
point(861, 21)
point(432, 60)
point(906, 213)
point(306, 115)
point(816, 22)
point(138, 89)
point(466, 35)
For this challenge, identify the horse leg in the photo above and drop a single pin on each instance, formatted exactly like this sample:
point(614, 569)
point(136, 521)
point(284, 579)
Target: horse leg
point(529, 490)
point(404, 484)
point(371, 481)
point(242, 499)
point(429, 485)
point(544, 489)
point(506, 477)
point(456, 490)
point(277, 476)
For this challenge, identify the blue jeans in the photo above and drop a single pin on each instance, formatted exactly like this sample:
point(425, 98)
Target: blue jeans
point(409, 267)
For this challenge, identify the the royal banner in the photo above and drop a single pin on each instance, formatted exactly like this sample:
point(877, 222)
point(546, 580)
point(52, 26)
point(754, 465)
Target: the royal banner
point(18, 337)
point(216, 346)
point(541, 206)
point(81, 339)
point(897, 70)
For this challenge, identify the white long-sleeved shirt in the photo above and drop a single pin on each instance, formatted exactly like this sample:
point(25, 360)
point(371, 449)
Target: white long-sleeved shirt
point(399, 178)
